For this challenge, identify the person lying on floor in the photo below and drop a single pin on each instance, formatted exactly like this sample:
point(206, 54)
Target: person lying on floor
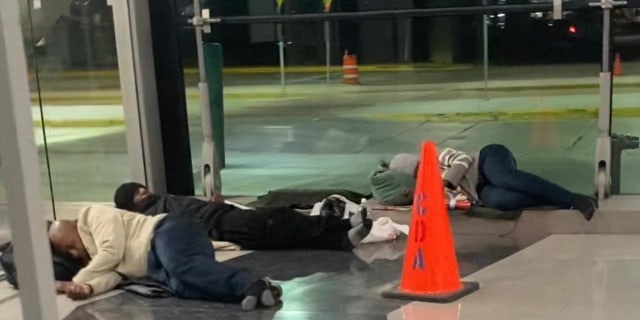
point(252, 229)
point(490, 178)
point(169, 249)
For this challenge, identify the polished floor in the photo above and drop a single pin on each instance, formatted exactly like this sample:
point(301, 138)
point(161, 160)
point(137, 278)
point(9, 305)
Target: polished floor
point(546, 265)
point(317, 284)
point(561, 277)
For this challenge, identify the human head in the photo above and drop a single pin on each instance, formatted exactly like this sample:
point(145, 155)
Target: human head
point(406, 163)
point(65, 239)
point(132, 196)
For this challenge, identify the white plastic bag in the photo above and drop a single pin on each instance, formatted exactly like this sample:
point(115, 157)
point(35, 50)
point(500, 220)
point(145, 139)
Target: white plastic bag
point(350, 207)
point(384, 229)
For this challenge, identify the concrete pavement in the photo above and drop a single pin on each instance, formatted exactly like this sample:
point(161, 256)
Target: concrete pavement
point(333, 136)
point(524, 98)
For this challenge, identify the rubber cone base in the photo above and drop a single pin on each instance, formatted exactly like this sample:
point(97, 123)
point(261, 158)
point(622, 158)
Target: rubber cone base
point(467, 288)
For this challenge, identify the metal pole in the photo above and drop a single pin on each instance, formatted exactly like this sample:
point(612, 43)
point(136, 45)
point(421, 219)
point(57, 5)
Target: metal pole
point(485, 45)
point(606, 39)
point(603, 159)
point(20, 168)
point(391, 14)
point(213, 60)
point(327, 46)
point(197, 11)
point(281, 55)
point(210, 170)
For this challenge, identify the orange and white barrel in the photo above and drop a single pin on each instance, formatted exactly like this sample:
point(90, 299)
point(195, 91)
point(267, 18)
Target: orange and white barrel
point(350, 69)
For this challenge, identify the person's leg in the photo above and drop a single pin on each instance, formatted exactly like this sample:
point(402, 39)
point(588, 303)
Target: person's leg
point(507, 200)
point(498, 167)
point(339, 239)
point(287, 228)
point(182, 257)
point(245, 228)
point(283, 228)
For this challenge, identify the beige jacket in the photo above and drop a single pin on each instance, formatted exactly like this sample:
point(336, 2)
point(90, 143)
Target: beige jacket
point(118, 242)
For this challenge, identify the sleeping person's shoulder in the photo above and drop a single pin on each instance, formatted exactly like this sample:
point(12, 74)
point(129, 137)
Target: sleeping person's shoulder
point(95, 210)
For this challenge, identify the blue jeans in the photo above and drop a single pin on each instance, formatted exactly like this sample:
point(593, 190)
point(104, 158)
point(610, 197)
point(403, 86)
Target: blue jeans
point(505, 187)
point(182, 258)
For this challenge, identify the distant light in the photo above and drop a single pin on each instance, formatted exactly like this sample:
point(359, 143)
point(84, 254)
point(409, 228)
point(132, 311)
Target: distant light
point(572, 29)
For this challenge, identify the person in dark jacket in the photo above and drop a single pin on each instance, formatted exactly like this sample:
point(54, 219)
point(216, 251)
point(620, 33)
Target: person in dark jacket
point(253, 229)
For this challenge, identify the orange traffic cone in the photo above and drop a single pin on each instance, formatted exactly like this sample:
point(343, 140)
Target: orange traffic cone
point(349, 69)
point(617, 66)
point(430, 269)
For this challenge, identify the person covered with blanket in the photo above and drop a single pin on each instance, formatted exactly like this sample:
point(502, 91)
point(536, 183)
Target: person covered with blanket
point(113, 245)
point(274, 228)
point(489, 178)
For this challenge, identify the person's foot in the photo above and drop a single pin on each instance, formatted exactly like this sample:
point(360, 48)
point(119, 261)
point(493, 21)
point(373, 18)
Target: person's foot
point(586, 205)
point(262, 293)
point(359, 232)
point(359, 217)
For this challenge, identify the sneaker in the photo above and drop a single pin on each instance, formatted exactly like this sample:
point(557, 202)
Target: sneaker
point(262, 293)
point(272, 295)
point(586, 205)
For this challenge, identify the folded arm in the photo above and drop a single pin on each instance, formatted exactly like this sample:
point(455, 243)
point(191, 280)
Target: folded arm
point(456, 164)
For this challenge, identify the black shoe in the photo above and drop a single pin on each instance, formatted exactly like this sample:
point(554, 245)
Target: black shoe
point(262, 293)
point(272, 296)
point(586, 205)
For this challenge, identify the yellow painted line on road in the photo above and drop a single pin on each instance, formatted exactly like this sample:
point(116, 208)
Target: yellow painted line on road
point(69, 74)
point(108, 98)
point(569, 86)
point(548, 115)
point(80, 123)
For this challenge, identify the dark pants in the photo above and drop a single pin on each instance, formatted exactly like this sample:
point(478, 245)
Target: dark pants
point(505, 187)
point(283, 228)
point(182, 258)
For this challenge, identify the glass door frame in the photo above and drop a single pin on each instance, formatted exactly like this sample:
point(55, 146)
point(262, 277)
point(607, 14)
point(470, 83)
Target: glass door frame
point(19, 158)
point(139, 94)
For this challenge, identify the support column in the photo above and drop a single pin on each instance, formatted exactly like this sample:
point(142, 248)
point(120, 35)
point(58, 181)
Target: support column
point(20, 167)
point(171, 95)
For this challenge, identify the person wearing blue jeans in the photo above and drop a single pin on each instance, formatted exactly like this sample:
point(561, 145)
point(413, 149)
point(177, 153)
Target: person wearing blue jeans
point(113, 245)
point(492, 178)
point(182, 258)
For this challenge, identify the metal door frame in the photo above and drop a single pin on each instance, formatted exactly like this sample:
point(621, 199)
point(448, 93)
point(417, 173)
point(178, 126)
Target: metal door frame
point(19, 158)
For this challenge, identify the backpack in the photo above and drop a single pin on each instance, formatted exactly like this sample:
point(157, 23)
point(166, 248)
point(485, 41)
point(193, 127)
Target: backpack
point(64, 268)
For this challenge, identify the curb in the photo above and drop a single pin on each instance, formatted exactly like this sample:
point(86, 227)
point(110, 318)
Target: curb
point(288, 69)
point(116, 98)
point(549, 115)
point(108, 97)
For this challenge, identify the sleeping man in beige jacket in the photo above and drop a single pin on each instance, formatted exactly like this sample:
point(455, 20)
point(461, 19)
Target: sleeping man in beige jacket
point(114, 245)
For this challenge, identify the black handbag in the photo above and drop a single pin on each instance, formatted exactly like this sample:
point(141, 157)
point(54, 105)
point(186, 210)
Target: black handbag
point(64, 268)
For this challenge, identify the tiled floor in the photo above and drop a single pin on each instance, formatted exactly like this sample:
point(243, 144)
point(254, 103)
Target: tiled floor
point(317, 284)
point(347, 285)
point(562, 277)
